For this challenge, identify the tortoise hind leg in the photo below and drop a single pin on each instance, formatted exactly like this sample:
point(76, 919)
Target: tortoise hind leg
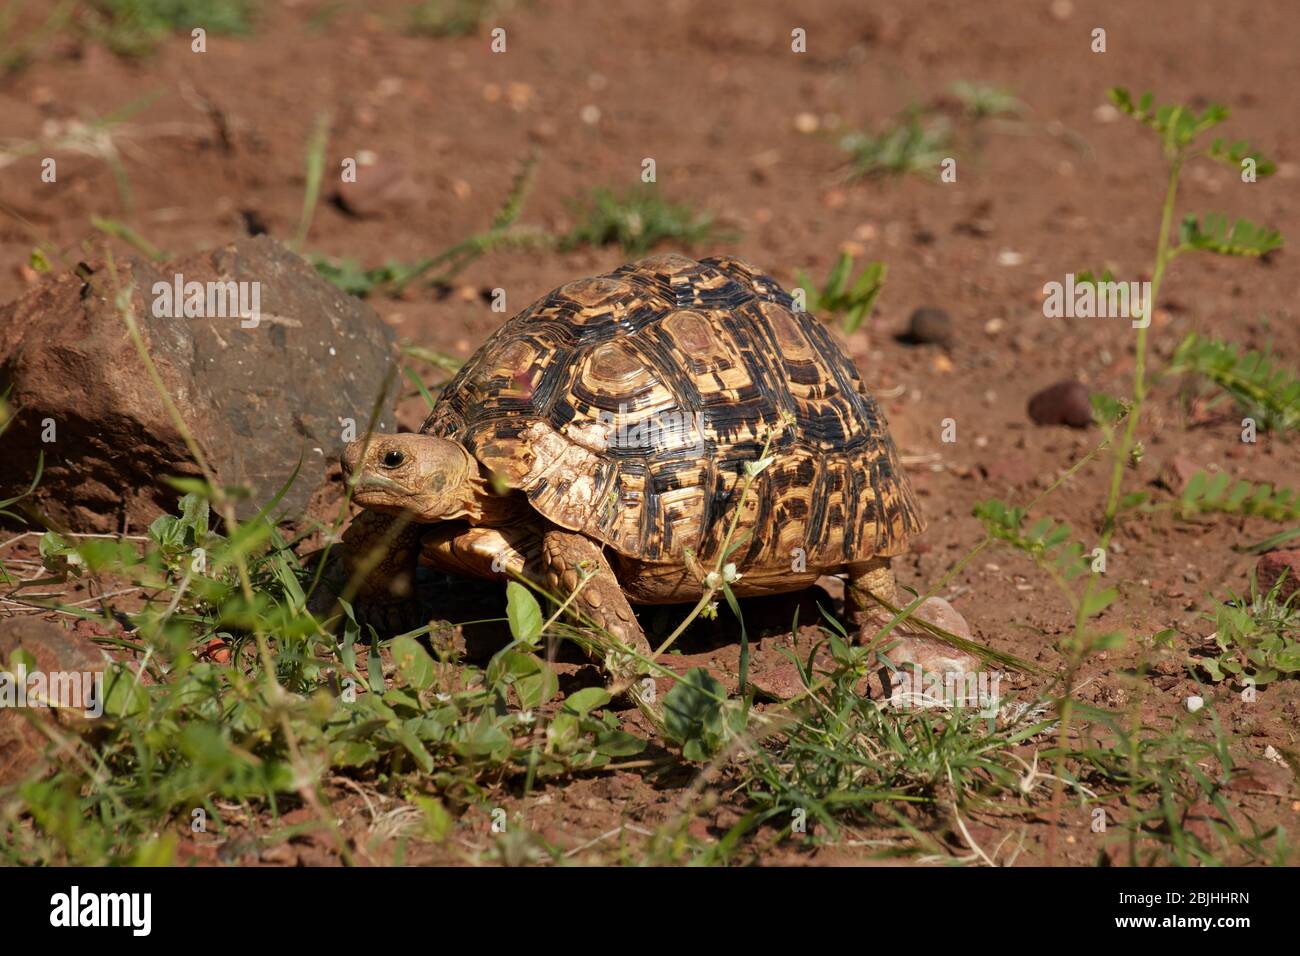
point(600, 601)
point(870, 577)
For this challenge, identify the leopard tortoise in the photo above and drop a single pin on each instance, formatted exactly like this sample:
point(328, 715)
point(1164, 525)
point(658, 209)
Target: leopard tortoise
point(600, 437)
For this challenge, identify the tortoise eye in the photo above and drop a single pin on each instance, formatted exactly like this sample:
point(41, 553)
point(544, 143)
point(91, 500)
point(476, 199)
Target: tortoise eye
point(393, 459)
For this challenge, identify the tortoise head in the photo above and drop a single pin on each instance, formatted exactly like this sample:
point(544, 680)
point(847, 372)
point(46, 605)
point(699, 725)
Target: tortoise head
point(428, 478)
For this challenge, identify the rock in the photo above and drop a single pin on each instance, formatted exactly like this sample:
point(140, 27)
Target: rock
point(778, 681)
point(1065, 403)
point(255, 393)
point(1260, 776)
point(1176, 473)
point(909, 648)
point(1273, 565)
point(928, 325)
point(382, 188)
point(54, 650)
point(930, 654)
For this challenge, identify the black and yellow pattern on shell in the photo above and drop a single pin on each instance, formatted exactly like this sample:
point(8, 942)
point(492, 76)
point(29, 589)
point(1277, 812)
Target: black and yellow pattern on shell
point(568, 402)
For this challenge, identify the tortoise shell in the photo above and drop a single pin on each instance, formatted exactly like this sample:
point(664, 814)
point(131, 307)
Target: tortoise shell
point(625, 407)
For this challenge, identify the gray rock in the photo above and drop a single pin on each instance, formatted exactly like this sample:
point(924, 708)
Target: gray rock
point(254, 396)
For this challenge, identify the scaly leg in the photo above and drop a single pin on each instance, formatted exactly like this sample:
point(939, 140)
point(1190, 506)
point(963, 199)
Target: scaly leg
point(601, 602)
point(379, 557)
point(870, 577)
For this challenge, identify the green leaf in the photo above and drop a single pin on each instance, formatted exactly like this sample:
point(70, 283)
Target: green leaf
point(123, 695)
point(438, 823)
point(1205, 495)
point(1098, 601)
point(1263, 389)
point(1233, 154)
point(534, 682)
point(1178, 125)
point(408, 739)
point(586, 700)
point(413, 663)
point(523, 613)
point(693, 713)
point(1211, 233)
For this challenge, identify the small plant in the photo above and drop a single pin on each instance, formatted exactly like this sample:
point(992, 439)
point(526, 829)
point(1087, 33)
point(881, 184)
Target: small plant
point(981, 100)
point(699, 717)
point(1262, 389)
point(135, 28)
point(909, 146)
point(1219, 494)
point(854, 303)
point(638, 220)
point(1257, 638)
point(453, 18)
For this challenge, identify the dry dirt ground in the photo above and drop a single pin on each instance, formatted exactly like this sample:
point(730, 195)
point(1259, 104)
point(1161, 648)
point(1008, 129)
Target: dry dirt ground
point(712, 91)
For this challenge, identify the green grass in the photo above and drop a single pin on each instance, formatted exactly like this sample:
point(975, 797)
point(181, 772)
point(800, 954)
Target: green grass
point(980, 100)
point(853, 303)
point(135, 28)
point(638, 220)
point(910, 145)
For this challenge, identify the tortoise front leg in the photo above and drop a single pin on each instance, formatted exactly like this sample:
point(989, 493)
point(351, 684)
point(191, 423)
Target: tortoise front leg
point(379, 556)
point(870, 577)
point(601, 602)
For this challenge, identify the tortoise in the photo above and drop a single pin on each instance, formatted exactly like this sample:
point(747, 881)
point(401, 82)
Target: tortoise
point(606, 429)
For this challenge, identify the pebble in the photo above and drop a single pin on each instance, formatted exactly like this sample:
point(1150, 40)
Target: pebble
point(1065, 403)
point(928, 325)
point(1195, 703)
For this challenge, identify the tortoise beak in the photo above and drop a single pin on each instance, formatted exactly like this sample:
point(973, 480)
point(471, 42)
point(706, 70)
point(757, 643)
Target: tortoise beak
point(368, 479)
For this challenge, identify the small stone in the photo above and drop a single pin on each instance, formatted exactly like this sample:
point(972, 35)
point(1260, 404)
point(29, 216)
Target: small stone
point(381, 188)
point(1194, 703)
point(1065, 403)
point(910, 646)
point(928, 325)
point(1105, 113)
point(1177, 472)
point(806, 123)
point(1273, 565)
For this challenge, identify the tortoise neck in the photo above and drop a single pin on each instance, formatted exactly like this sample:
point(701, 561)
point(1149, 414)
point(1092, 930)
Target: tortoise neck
point(495, 511)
